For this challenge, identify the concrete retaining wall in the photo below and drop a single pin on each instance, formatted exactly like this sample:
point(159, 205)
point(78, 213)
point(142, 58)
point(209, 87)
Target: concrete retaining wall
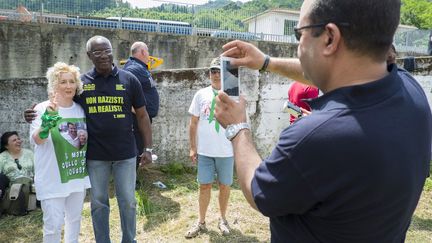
point(28, 49)
point(266, 94)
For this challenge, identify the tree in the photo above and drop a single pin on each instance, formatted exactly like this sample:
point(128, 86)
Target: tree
point(417, 13)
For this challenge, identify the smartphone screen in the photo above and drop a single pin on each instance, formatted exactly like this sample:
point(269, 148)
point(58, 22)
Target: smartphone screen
point(292, 109)
point(230, 78)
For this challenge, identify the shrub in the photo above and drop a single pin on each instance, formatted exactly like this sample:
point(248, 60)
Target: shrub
point(144, 205)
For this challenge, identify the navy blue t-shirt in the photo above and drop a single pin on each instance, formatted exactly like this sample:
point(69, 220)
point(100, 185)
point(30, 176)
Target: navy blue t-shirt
point(107, 103)
point(354, 169)
point(139, 69)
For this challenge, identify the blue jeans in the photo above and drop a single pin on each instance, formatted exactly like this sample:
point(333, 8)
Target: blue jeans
point(124, 180)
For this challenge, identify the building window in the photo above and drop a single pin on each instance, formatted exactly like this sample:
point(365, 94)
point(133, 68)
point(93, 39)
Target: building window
point(289, 27)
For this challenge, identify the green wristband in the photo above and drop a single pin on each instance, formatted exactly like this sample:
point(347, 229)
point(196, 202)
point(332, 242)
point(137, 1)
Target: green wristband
point(43, 134)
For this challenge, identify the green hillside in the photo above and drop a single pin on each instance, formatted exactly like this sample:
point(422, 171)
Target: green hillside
point(218, 14)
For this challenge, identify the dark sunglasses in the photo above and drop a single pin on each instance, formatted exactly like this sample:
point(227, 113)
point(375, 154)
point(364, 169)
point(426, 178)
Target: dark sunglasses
point(298, 33)
point(214, 70)
point(18, 164)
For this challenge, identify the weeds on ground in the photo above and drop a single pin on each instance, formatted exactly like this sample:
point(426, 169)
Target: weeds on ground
point(163, 215)
point(428, 185)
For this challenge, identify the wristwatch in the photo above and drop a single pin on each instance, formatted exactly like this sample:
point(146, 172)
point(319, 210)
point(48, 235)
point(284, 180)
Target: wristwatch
point(148, 150)
point(232, 130)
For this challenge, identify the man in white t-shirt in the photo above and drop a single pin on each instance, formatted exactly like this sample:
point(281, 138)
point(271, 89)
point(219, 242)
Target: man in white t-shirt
point(212, 150)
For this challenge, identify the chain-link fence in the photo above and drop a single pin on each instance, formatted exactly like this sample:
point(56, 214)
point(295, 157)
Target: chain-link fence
point(217, 19)
point(413, 41)
point(66, 7)
point(225, 16)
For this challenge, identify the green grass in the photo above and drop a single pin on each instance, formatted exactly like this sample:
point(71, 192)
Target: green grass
point(428, 185)
point(164, 215)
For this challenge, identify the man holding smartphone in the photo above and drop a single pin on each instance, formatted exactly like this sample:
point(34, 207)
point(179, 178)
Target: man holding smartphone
point(354, 169)
point(211, 151)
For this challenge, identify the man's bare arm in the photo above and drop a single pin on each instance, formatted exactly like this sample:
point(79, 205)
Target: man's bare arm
point(247, 161)
point(288, 67)
point(246, 157)
point(144, 127)
point(247, 55)
point(193, 126)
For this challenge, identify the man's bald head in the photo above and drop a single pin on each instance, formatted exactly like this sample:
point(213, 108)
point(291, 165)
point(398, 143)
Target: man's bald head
point(139, 50)
point(137, 46)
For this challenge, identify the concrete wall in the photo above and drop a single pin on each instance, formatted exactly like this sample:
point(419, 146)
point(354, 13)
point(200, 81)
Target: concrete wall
point(28, 49)
point(170, 128)
point(265, 93)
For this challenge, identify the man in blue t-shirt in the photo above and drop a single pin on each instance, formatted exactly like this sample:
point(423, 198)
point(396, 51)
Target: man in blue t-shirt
point(137, 65)
point(354, 169)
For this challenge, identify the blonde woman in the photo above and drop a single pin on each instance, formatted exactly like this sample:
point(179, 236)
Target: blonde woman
point(61, 177)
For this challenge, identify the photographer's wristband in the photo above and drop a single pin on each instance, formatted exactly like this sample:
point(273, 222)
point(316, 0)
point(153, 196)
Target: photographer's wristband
point(265, 65)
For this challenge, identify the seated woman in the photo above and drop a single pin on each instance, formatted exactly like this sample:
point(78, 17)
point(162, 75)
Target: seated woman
point(15, 162)
point(16, 167)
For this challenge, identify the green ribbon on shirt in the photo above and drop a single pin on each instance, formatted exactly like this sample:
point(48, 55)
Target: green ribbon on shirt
point(49, 120)
point(212, 108)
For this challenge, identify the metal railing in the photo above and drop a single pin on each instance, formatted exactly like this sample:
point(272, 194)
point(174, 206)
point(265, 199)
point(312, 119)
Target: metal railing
point(153, 26)
point(69, 7)
point(202, 22)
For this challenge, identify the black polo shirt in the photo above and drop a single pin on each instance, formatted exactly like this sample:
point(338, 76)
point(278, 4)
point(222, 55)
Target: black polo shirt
point(354, 169)
point(107, 102)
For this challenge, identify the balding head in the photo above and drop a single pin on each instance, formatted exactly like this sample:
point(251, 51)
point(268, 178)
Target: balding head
point(138, 46)
point(139, 50)
point(97, 39)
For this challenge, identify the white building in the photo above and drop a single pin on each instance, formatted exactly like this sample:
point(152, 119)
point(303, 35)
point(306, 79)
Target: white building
point(276, 22)
point(278, 25)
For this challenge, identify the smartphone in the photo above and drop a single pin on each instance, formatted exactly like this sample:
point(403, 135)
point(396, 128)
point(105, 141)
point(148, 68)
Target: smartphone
point(230, 79)
point(292, 109)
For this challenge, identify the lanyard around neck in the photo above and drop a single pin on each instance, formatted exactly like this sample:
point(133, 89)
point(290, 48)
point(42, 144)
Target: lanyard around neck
point(212, 108)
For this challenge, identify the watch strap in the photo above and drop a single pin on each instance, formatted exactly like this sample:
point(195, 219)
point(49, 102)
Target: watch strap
point(238, 127)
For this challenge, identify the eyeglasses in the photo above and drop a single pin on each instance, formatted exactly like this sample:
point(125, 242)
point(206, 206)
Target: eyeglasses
point(100, 53)
point(214, 70)
point(18, 164)
point(298, 33)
